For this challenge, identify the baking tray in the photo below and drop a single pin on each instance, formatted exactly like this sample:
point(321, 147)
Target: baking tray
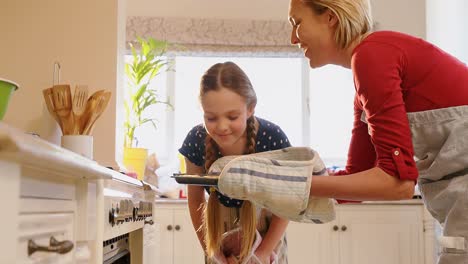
point(204, 180)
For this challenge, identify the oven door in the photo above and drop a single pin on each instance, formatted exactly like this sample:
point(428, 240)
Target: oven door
point(122, 257)
point(116, 250)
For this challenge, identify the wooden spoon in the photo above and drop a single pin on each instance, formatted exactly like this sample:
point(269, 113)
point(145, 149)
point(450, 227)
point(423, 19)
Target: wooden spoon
point(97, 106)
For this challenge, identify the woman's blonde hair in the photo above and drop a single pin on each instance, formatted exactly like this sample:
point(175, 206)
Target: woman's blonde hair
point(354, 18)
point(229, 76)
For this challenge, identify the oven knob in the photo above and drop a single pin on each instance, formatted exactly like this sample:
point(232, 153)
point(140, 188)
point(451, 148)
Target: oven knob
point(123, 207)
point(111, 217)
point(129, 213)
point(126, 212)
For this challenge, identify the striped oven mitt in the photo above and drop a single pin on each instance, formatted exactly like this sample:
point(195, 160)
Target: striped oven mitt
point(278, 180)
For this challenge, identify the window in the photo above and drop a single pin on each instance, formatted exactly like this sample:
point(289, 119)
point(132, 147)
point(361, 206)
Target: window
point(282, 87)
point(331, 113)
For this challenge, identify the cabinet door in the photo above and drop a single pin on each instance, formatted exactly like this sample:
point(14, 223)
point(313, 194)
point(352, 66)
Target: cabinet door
point(187, 248)
point(163, 221)
point(36, 230)
point(312, 243)
point(383, 234)
point(151, 244)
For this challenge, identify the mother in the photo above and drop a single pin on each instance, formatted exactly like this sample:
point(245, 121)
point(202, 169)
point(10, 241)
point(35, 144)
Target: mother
point(411, 101)
point(410, 114)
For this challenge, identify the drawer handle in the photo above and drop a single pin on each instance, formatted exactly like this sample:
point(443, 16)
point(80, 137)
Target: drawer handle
point(149, 222)
point(61, 247)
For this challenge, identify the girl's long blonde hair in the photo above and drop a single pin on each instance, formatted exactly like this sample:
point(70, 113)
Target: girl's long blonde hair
point(228, 75)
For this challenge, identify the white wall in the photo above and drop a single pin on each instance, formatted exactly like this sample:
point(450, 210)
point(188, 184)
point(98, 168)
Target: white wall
point(407, 16)
point(447, 26)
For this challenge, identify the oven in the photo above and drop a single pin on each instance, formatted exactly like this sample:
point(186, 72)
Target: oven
point(128, 207)
point(116, 250)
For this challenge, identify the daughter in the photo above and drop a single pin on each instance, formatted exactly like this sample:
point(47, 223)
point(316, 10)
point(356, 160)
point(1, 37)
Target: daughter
point(230, 128)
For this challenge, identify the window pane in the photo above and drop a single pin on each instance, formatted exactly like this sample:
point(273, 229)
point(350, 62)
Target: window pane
point(331, 103)
point(277, 82)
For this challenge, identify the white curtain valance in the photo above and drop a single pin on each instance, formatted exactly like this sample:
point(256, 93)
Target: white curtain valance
point(216, 36)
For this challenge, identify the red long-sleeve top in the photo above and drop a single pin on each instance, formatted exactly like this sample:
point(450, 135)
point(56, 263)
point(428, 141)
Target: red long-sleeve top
point(395, 74)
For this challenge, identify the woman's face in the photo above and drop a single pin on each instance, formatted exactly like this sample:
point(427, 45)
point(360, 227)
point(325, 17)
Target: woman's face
point(225, 117)
point(313, 33)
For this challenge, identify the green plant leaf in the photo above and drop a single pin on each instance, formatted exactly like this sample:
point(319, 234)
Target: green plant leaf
point(148, 61)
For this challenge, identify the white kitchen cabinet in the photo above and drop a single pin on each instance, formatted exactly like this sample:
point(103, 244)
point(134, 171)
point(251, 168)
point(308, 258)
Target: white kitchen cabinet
point(150, 244)
point(178, 243)
point(46, 211)
point(311, 243)
point(366, 234)
point(38, 231)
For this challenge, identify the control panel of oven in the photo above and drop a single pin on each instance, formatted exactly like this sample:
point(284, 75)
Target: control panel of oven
point(127, 210)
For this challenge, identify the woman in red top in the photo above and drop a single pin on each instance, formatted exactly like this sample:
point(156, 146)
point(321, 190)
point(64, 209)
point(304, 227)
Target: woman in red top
point(410, 114)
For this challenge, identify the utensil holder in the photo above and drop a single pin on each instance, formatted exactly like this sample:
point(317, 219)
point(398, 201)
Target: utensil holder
point(81, 144)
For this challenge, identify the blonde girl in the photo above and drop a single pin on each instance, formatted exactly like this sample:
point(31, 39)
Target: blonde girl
point(228, 101)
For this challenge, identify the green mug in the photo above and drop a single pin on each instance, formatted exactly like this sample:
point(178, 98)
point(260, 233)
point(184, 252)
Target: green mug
point(6, 89)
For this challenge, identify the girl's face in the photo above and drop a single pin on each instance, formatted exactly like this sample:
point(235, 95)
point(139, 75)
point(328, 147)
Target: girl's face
point(313, 33)
point(225, 116)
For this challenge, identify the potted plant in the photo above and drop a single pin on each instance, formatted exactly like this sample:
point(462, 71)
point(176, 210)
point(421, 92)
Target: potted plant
point(147, 63)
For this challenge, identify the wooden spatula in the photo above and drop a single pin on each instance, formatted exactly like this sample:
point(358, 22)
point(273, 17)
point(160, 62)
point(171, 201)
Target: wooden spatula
point(49, 100)
point(80, 99)
point(63, 105)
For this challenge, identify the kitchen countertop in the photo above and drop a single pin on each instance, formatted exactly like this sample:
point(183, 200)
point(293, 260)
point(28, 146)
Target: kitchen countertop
point(412, 201)
point(32, 151)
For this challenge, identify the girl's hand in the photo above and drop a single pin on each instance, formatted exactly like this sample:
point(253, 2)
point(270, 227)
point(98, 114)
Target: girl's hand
point(232, 260)
point(219, 258)
point(260, 257)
